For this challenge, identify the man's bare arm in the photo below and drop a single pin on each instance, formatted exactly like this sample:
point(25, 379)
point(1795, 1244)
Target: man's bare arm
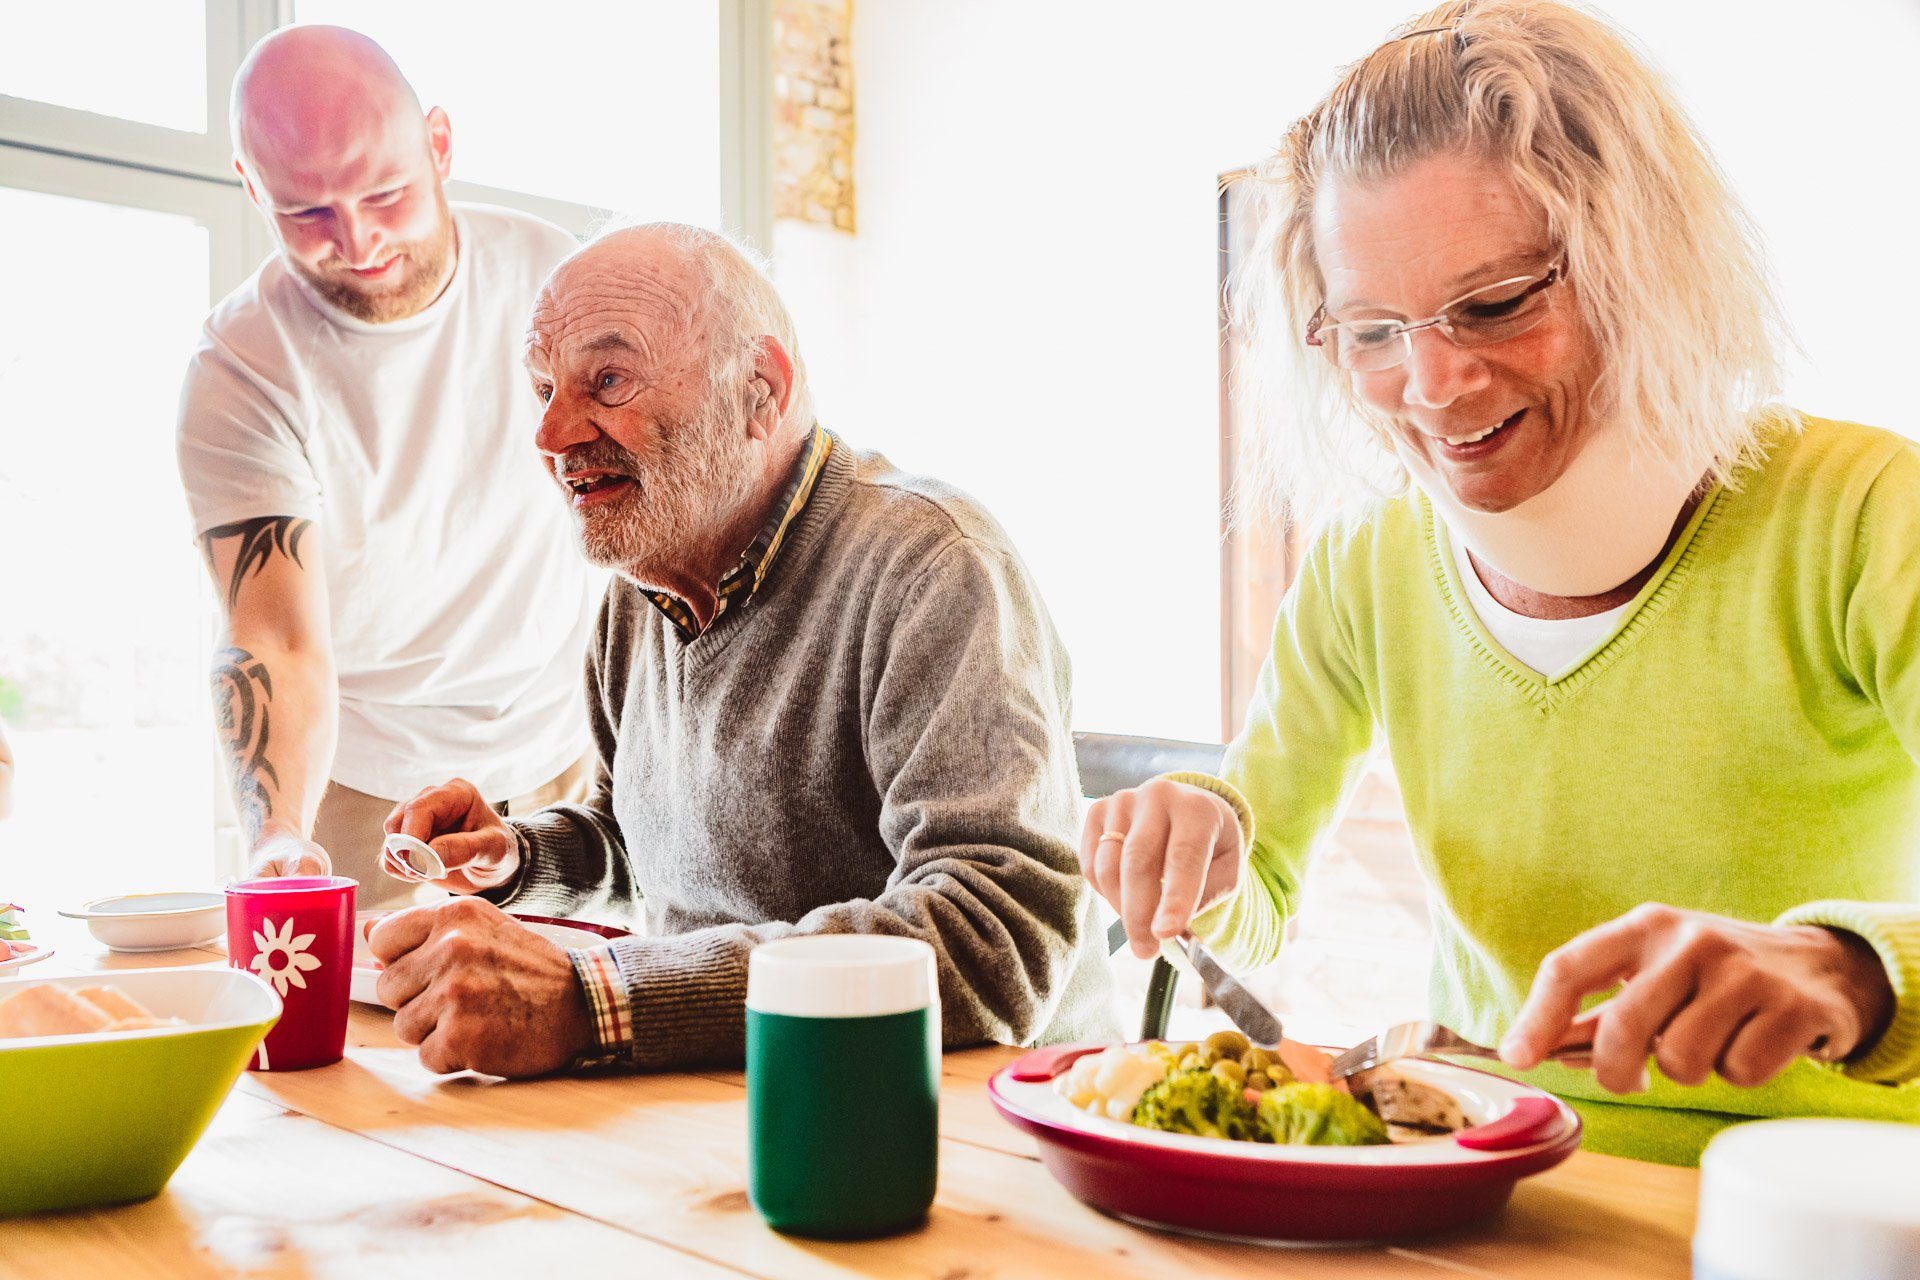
point(275, 701)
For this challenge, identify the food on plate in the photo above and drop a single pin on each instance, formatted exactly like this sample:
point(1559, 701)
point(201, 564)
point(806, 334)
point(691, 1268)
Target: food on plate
point(1200, 1102)
point(1410, 1109)
point(48, 1009)
point(1318, 1115)
point(1225, 1087)
point(13, 934)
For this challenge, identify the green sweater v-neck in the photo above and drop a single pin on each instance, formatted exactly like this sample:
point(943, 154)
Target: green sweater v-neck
point(1744, 742)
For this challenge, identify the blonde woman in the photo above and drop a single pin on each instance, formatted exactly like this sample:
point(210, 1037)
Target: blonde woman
point(1644, 648)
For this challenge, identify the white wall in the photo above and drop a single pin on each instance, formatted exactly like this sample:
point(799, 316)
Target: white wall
point(1028, 308)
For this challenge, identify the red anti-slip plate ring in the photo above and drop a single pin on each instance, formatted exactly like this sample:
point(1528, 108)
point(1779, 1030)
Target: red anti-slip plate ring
point(1498, 1167)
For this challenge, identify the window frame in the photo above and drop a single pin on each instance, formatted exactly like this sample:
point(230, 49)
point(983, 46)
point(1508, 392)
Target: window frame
point(745, 109)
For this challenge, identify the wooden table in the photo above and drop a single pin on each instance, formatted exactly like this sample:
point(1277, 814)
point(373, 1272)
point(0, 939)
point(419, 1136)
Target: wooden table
point(373, 1166)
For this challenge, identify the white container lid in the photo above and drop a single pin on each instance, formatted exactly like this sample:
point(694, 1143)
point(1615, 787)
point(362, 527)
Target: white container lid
point(1788, 1199)
point(842, 975)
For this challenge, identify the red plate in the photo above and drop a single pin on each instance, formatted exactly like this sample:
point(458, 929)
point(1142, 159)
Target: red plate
point(1271, 1193)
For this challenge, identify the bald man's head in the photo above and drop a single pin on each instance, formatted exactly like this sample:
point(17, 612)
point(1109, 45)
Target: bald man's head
point(331, 143)
point(674, 410)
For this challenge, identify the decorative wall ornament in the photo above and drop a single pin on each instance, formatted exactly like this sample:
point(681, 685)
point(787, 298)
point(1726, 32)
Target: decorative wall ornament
point(813, 111)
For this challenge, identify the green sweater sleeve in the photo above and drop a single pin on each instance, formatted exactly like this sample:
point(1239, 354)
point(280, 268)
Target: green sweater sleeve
point(1308, 729)
point(1880, 630)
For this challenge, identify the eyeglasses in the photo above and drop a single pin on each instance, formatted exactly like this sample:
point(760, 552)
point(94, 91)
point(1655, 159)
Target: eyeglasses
point(1492, 313)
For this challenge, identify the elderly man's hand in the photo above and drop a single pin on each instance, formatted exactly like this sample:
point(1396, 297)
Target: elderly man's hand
point(1161, 853)
point(477, 992)
point(282, 853)
point(480, 851)
point(1704, 993)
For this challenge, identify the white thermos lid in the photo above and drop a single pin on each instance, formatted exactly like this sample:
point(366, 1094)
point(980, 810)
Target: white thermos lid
point(842, 975)
point(1789, 1199)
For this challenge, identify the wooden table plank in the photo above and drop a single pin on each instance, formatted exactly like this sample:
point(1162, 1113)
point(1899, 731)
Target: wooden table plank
point(270, 1193)
point(659, 1162)
point(1595, 1215)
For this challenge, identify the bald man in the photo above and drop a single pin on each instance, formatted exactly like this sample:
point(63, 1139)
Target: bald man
point(400, 593)
point(825, 695)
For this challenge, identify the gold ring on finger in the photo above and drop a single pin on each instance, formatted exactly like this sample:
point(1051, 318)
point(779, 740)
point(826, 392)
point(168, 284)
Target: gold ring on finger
point(1111, 835)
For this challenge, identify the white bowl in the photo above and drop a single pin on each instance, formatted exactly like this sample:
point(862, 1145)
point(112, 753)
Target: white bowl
point(154, 921)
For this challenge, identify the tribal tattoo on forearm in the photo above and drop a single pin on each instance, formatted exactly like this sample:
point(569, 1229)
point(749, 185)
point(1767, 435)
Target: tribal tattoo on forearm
point(241, 691)
point(259, 539)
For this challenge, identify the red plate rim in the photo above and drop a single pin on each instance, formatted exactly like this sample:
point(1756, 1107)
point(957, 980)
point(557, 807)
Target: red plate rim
point(1404, 1168)
point(604, 930)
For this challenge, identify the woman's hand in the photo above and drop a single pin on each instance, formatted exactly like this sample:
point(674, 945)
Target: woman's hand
point(479, 850)
point(1702, 993)
point(1161, 854)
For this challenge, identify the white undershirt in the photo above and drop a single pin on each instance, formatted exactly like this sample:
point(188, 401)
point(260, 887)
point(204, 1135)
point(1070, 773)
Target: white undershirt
point(1551, 646)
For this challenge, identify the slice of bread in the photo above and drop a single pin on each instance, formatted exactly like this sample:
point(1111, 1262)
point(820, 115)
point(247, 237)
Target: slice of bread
point(48, 1010)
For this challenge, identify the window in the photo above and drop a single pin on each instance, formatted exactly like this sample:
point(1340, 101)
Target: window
point(153, 70)
point(116, 167)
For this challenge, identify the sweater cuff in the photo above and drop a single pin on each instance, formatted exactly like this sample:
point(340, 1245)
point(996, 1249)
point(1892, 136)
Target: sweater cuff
point(1226, 791)
point(549, 846)
point(687, 998)
point(1893, 931)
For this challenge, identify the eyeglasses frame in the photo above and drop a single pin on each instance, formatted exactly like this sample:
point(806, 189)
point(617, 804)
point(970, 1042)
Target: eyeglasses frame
point(1554, 275)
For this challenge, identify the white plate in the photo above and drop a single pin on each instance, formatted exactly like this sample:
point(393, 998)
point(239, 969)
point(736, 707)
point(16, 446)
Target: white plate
point(21, 962)
point(565, 933)
point(154, 921)
point(1483, 1097)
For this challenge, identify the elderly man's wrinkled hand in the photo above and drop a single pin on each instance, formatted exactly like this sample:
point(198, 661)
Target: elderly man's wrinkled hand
point(1161, 853)
point(477, 992)
point(286, 854)
point(479, 850)
point(1701, 994)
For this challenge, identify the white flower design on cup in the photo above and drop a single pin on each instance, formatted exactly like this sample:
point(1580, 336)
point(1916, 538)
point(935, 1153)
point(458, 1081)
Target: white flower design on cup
point(270, 944)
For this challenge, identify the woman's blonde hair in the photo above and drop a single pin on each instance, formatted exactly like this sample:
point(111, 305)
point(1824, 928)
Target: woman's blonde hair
point(1665, 264)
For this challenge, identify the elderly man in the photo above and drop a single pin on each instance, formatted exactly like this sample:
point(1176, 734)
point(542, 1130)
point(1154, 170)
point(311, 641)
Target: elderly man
point(825, 695)
point(400, 594)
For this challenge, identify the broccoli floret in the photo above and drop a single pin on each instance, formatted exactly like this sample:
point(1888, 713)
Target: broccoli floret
point(1317, 1115)
point(1196, 1102)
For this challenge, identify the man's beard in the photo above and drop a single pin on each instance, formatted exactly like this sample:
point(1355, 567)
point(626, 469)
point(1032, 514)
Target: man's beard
point(694, 487)
point(425, 268)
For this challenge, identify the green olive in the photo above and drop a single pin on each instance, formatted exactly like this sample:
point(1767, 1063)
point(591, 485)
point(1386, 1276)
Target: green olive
point(1258, 1059)
point(1259, 1080)
point(1231, 1072)
point(1227, 1044)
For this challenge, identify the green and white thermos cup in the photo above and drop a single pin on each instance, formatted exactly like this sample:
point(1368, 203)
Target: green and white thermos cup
point(843, 1077)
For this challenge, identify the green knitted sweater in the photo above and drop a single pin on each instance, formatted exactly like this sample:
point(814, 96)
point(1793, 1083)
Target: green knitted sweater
point(1744, 743)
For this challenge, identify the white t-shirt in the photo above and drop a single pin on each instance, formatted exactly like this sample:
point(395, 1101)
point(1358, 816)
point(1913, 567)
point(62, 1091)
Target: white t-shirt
point(460, 602)
point(1551, 646)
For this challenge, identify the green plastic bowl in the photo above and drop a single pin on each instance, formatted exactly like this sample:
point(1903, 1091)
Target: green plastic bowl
point(107, 1118)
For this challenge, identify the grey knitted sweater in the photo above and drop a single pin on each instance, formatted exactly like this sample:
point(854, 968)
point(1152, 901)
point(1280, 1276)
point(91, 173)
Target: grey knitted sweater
point(876, 743)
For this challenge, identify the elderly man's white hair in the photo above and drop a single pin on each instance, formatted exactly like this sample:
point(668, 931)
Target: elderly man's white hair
point(739, 307)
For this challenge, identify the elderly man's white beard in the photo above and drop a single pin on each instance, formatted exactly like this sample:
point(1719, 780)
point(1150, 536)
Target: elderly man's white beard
point(694, 487)
point(1594, 528)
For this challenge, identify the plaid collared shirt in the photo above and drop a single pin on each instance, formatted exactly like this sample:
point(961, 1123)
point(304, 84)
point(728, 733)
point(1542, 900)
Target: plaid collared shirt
point(741, 581)
point(607, 1001)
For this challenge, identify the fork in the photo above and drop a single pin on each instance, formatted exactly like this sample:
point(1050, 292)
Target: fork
point(1419, 1039)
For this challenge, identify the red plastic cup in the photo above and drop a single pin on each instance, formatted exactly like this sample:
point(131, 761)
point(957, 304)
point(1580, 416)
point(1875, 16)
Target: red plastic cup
point(297, 933)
